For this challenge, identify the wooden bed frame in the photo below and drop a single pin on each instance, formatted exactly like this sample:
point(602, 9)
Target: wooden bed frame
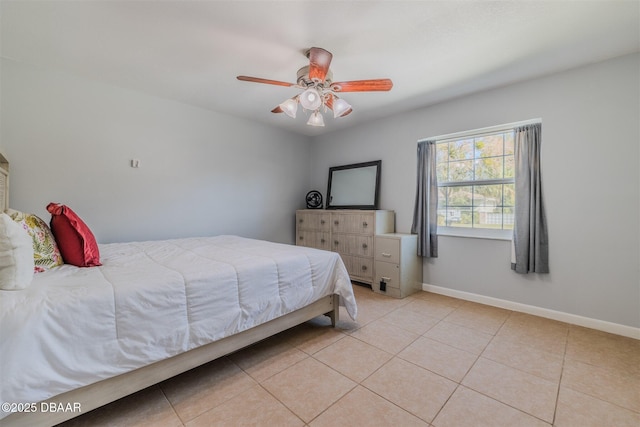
point(98, 394)
point(102, 392)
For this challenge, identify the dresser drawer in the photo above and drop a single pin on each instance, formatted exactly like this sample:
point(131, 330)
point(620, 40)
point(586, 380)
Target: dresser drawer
point(360, 269)
point(353, 223)
point(387, 249)
point(317, 221)
point(314, 239)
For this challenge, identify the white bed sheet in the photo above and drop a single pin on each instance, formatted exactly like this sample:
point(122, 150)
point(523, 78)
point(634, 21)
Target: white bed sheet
point(150, 301)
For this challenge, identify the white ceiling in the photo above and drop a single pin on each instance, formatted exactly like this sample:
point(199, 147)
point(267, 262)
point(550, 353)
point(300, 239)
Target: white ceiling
point(191, 51)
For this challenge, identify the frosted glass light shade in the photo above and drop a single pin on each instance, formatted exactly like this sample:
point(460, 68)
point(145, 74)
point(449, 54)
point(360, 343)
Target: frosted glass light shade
point(316, 119)
point(310, 99)
point(340, 106)
point(289, 107)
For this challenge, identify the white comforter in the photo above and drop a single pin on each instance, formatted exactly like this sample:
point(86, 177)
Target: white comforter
point(150, 301)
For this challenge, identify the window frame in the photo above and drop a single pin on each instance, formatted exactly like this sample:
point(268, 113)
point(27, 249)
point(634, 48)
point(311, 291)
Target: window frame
point(476, 232)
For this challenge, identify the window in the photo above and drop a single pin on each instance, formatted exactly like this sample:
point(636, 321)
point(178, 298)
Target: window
point(476, 190)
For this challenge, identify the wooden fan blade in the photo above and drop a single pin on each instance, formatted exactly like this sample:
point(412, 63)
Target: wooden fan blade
point(329, 102)
point(319, 61)
point(362, 86)
point(266, 81)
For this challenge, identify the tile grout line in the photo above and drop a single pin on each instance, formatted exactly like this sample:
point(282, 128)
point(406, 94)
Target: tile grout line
point(360, 383)
point(564, 359)
point(182, 422)
point(393, 356)
point(282, 403)
point(261, 385)
point(490, 397)
point(458, 383)
point(596, 366)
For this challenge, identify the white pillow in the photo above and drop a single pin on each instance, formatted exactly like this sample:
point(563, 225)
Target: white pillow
point(16, 255)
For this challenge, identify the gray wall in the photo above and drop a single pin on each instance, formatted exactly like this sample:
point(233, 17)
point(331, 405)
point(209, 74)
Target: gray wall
point(71, 140)
point(591, 181)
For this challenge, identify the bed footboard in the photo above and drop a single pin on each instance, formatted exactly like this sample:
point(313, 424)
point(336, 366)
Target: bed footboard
point(98, 394)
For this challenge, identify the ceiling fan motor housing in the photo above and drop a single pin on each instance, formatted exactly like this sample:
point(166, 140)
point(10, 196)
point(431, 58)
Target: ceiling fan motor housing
point(304, 80)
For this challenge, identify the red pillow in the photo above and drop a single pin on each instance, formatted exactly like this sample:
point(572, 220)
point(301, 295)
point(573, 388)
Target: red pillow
point(76, 242)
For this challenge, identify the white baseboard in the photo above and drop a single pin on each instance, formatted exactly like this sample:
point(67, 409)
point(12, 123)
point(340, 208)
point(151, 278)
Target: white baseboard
point(587, 322)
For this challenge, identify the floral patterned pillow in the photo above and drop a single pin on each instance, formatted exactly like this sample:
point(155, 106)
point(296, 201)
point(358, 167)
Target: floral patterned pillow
point(45, 250)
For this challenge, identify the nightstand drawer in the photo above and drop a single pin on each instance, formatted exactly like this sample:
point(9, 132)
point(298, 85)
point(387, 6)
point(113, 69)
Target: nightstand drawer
point(389, 273)
point(387, 249)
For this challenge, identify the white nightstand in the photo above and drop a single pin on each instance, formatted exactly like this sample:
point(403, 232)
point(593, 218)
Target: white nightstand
point(398, 269)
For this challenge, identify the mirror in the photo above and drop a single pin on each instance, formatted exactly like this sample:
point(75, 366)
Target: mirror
point(354, 186)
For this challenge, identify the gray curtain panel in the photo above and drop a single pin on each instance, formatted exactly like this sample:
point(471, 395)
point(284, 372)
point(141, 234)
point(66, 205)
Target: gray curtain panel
point(425, 221)
point(530, 251)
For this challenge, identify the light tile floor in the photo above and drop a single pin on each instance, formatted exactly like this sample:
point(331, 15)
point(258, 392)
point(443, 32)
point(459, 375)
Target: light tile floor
point(426, 360)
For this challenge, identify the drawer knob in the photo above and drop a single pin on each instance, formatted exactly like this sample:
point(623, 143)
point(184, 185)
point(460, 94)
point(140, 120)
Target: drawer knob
point(301, 221)
point(301, 237)
point(364, 268)
point(335, 242)
point(336, 222)
point(364, 246)
point(386, 255)
point(364, 224)
point(322, 240)
point(322, 221)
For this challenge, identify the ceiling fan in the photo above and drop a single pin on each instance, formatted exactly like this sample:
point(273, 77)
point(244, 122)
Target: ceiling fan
point(319, 89)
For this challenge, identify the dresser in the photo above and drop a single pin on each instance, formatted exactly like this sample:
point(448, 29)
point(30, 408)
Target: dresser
point(398, 269)
point(351, 233)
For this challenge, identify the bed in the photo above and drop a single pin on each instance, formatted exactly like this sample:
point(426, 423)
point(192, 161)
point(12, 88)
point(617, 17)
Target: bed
point(78, 338)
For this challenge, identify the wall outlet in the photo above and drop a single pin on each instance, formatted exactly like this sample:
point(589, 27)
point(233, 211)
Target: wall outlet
point(135, 163)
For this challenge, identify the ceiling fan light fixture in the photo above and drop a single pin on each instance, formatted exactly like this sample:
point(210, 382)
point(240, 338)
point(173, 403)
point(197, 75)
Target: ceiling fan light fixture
point(316, 119)
point(290, 107)
point(311, 99)
point(340, 107)
point(319, 90)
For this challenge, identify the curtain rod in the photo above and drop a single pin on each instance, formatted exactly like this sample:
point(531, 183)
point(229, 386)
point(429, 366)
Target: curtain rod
point(485, 130)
